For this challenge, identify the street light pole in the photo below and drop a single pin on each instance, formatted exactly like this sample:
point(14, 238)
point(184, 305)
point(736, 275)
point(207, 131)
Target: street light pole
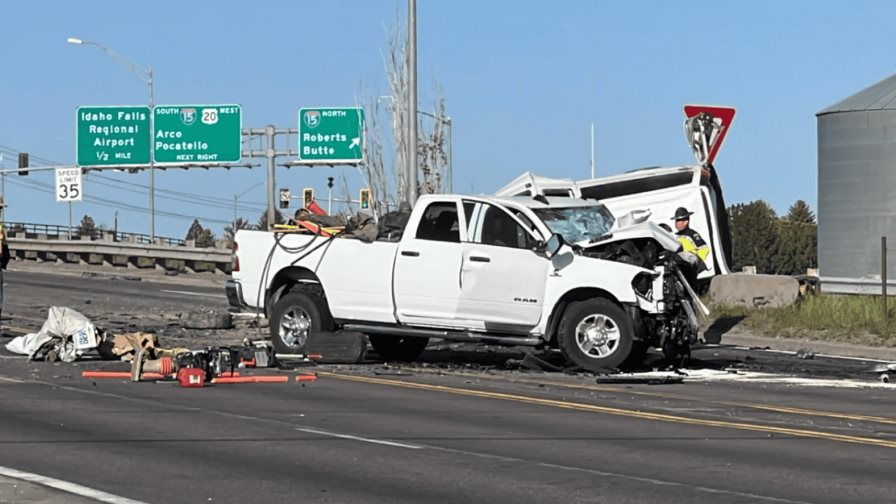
point(152, 161)
point(235, 199)
point(145, 74)
point(411, 196)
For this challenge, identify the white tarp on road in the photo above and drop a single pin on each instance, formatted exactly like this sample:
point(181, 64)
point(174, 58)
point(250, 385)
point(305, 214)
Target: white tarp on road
point(72, 331)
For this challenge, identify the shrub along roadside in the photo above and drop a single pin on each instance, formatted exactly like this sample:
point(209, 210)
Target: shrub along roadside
point(847, 319)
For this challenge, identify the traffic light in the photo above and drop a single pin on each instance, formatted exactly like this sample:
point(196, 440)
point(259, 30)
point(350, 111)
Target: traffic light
point(284, 198)
point(364, 197)
point(307, 196)
point(23, 163)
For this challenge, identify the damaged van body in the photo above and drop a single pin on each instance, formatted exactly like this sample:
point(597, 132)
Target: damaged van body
point(654, 193)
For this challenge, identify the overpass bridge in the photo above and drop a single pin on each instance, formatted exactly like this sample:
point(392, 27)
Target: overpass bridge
point(52, 243)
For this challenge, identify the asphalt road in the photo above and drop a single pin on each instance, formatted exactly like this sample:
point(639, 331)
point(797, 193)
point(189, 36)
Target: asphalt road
point(443, 431)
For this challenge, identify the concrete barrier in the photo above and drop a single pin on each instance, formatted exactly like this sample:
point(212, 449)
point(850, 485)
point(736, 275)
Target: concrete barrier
point(754, 291)
point(121, 254)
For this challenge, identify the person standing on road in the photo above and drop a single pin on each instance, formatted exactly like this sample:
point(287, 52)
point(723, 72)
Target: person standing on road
point(690, 240)
point(4, 255)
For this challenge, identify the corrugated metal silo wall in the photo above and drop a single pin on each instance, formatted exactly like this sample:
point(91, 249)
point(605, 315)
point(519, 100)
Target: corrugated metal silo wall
point(856, 192)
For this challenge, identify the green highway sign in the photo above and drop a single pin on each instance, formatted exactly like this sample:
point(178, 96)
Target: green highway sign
point(112, 136)
point(197, 134)
point(332, 135)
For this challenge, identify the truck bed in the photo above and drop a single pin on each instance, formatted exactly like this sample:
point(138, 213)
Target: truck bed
point(365, 269)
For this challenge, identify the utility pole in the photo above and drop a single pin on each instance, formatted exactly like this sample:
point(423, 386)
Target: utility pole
point(412, 102)
point(592, 150)
point(271, 155)
point(330, 195)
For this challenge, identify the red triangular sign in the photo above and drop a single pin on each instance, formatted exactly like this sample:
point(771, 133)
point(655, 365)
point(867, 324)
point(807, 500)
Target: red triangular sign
point(722, 117)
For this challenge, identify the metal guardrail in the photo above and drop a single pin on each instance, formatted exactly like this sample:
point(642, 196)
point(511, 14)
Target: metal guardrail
point(54, 231)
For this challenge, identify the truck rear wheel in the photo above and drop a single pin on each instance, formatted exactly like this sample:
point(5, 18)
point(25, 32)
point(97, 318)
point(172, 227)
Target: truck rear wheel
point(398, 348)
point(595, 334)
point(296, 315)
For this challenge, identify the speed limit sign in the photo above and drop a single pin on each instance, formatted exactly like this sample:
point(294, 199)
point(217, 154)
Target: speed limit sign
point(68, 184)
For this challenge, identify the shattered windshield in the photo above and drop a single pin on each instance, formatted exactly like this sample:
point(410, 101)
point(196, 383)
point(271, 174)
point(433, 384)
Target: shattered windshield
point(577, 224)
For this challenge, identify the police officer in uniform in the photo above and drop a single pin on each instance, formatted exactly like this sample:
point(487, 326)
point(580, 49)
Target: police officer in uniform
point(4, 255)
point(691, 241)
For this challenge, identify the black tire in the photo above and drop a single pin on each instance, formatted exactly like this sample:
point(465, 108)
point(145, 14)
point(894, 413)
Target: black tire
point(614, 329)
point(398, 348)
point(290, 314)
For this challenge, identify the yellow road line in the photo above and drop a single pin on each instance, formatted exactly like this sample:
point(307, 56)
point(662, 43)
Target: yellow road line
point(767, 407)
point(620, 411)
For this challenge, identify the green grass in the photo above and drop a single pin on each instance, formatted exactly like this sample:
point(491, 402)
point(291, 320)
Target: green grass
point(851, 319)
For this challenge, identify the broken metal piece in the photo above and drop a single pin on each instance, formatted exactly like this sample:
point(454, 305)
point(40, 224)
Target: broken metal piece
point(638, 380)
point(805, 353)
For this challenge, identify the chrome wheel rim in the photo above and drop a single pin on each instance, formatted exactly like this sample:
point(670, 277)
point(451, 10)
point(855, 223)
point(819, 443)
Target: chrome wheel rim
point(598, 336)
point(295, 325)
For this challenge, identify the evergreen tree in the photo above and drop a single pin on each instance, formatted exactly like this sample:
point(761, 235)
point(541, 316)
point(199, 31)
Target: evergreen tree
point(87, 227)
point(263, 220)
point(194, 231)
point(754, 233)
point(800, 212)
point(797, 240)
point(203, 237)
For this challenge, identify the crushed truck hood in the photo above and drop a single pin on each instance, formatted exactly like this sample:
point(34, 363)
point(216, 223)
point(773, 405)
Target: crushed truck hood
point(642, 230)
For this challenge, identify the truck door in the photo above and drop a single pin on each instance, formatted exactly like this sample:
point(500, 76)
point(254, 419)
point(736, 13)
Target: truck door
point(427, 268)
point(502, 278)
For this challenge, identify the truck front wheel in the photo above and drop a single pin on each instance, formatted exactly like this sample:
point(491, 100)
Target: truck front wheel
point(296, 315)
point(595, 334)
point(398, 348)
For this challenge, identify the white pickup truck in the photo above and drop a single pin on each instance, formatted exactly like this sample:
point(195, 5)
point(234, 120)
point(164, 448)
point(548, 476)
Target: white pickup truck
point(531, 271)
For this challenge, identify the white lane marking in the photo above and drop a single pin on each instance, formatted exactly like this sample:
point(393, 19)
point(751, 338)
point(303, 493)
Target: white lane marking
point(201, 294)
point(13, 380)
point(641, 479)
point(356, 438)
point(13, 356)
point(66, 486)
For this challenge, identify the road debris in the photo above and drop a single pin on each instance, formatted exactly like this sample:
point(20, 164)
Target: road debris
point(206, 319)
point(805, 353)
point(340, 347)
point(886, 372)
point(199, 368)
point(635, 379)
point(125, 346)
point(532, 362)
point(66, 335)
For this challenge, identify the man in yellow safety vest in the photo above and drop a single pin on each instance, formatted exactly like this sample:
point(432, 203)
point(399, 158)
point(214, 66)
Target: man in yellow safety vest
point(691, 241)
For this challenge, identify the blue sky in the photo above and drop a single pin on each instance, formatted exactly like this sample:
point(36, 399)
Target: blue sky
point(523, 81)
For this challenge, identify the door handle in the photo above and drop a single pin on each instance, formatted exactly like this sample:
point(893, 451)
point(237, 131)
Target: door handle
point(479, 259)
point(410, 253)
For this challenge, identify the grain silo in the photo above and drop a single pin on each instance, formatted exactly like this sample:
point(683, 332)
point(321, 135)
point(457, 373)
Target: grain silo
point(857, 190)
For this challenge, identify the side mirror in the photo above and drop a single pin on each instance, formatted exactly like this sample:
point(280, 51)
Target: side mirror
point(553, 245)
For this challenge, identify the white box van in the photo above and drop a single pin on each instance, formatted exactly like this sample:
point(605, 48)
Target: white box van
point(655, 193)
point(656, 190)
